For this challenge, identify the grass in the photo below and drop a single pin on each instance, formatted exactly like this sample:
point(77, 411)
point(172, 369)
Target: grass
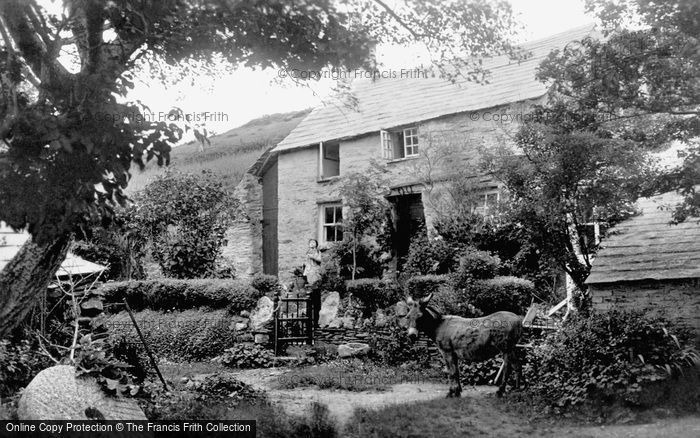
point(354, 375)
point(229, 155)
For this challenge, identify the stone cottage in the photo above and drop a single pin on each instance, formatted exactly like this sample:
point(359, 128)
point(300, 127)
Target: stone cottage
point(647, 263)
point(419, 128)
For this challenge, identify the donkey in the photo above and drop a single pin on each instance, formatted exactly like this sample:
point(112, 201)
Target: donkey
point(468, 339)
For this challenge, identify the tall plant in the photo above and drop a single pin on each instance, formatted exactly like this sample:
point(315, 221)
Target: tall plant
point(186, 217)
point(364, 205)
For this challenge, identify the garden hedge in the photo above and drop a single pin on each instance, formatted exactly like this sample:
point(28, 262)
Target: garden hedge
point(374, 294)
point(190, 335)
point(501, 293)
point(476, 265)
point(176, 294)
point(424, 285)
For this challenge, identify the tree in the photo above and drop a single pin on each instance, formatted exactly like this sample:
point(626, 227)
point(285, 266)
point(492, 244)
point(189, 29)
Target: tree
point(640, 83)
point(69, 134)
point(364, 207)
point(185, 217)
point(611, 101)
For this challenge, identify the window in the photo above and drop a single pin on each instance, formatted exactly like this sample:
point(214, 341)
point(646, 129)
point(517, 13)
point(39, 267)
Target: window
point(398, 144)
point(487, 203)
point(329, 160)
point(331, 223)
point(410, 142)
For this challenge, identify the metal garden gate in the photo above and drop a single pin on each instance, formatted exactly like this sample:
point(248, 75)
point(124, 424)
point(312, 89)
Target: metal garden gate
point(293, 322)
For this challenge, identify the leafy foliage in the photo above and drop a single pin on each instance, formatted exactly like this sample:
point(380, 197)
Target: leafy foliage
point(248, 356)
point(608, 357)
point(191, 335)
point(430, 256)
point(374, 294)
point(265, 284)
point(476, 265)
point(454, 301)
point(365, 208)
point(94, 358)
point(511, 294)
point(172, 294)
point(363, 258)
point(19, 363)
point(424, 285)
point(398, 349)
point(186, 217)
point(479, 373)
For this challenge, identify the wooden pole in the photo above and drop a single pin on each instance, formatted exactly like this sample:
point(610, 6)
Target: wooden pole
point(145, 345)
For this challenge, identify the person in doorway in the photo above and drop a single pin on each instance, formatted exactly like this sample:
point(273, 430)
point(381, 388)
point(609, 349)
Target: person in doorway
point(312, 272)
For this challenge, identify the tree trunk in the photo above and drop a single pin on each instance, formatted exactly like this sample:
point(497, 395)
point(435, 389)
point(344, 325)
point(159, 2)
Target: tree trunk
point(26, 277)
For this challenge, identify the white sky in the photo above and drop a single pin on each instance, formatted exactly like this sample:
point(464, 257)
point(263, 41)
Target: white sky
point(247, 94)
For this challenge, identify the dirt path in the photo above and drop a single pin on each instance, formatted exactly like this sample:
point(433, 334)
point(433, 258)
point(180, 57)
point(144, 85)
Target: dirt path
point(486, 418)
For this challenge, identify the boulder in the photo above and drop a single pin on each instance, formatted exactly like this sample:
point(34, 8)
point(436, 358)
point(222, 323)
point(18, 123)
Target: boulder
point(261, 338)
point(329, 309)
point(353, 349)
point(262, 315)
point(240, 326)
point(57, 394)
point(335, 323)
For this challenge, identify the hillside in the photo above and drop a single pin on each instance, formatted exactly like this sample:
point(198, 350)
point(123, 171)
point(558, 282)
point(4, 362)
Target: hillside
point(230, 153)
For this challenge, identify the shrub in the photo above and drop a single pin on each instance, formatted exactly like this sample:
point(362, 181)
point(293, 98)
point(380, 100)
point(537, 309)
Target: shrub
point(332, 282)
point(265, 284)
point(451, 301)
point(608, 357)
point(186, 217)
point(19, 363)
point(190, 335)
point(424, 285)
point(369, 264)
point(169, 294)
point(475, 265)
point(479, 373)
point(397, 348)
point(429, 256)
point(501, 293)
point(374, 294)
point(248, 356)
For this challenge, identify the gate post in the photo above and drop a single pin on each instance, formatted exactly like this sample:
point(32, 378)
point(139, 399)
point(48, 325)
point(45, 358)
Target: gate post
point(309, 321)
point(275, 322)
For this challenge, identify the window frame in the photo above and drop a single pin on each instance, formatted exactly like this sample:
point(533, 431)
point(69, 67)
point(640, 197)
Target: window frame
point(338, 226)
point(410, 133)
point(394, 142)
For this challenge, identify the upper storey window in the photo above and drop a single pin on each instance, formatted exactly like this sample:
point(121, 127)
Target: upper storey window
point(398, 144)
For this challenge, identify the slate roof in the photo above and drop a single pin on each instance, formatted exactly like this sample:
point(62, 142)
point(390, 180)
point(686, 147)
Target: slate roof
point(11, 241)
point(389, 103)
point(647, 247)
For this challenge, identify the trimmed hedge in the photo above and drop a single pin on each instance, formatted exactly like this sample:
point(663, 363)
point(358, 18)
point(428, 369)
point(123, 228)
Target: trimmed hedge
point(374, 294)
point(266, 284)
point(424, 285)
point(190, 335)
point(175, 294)
point(451, 301)
point(501, 293)
point(476, 265)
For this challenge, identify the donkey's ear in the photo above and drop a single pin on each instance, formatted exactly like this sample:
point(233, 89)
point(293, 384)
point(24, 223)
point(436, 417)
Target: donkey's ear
point(425, 300)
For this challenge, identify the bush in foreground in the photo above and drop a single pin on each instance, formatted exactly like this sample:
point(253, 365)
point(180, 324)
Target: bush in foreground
point(609, 357)
point(374, 294)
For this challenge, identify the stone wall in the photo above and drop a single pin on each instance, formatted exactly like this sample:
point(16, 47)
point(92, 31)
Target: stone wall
point(300, 193)
point(338, 336)
point(675, 299)
point(243, 249)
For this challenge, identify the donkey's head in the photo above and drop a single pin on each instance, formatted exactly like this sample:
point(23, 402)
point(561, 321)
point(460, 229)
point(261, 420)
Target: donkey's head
point(416, 310)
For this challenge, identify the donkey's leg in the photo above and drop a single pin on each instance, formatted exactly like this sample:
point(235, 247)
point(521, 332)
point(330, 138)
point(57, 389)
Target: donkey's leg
point(450, 360)
point(505, 376)
point(455, 376)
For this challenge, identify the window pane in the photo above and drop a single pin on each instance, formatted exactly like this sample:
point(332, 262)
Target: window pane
point(339, 234)
point(329, 215)
point(330, 234)
point(338, 214)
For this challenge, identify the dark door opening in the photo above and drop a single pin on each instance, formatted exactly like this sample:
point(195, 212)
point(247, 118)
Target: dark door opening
point(409, 219)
